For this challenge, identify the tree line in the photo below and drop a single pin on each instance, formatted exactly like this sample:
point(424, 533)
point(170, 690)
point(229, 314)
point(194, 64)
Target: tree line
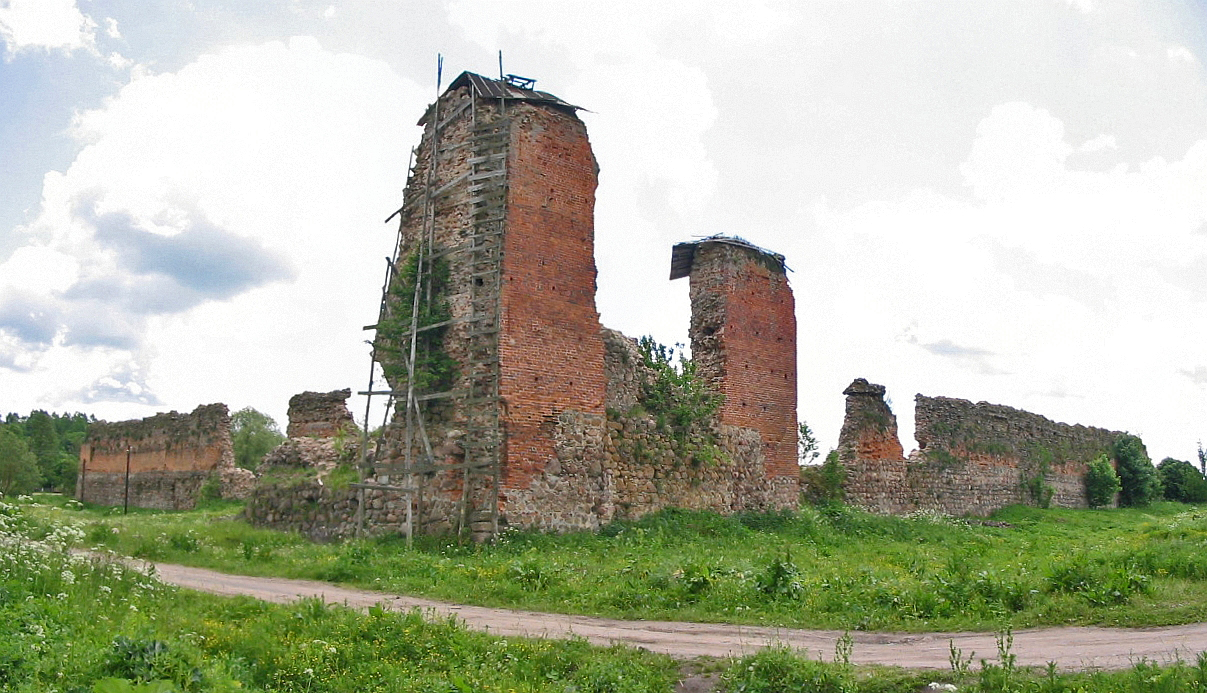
point(41, 451)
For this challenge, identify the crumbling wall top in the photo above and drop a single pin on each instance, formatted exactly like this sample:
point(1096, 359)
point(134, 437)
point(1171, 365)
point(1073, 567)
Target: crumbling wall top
point(319, 414)
point(861, 386)
point(208, 420)
point(683, 255)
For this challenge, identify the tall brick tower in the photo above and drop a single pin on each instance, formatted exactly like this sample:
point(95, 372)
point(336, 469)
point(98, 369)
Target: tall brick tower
point(743, 336)
point(493, 291)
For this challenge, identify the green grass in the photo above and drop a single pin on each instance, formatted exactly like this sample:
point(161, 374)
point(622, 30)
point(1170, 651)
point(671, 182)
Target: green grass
point(833, 567)
point(75, 625)
point(779, 670)
point(69, 624)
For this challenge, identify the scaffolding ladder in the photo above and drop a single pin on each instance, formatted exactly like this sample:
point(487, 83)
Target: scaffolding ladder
point(476, 511)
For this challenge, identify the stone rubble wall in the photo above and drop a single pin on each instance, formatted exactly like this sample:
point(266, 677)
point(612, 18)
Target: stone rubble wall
point(605, 468)
point(161, 490)
point(170, 456)
point(323, 513)
point(648, 470)
point(319, 414)
point(972, 459)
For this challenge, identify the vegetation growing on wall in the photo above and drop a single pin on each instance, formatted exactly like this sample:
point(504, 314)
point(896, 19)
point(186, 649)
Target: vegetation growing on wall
point(823, 483)
point(806, 444)
point(682, 404)
point(1036, 482)
point(434, 368)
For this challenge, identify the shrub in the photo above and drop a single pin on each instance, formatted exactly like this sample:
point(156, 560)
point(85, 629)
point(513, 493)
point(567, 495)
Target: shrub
point(674, 394)
point(781, 578)
point(1181, 482)
point(1138, 480)
point(824, 483)
point(1101, 483)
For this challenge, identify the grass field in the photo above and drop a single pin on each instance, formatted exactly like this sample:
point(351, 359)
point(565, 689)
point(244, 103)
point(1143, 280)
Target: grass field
point(74, 625)
point(833, 567)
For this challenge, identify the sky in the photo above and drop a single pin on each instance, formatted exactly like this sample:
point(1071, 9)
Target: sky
point(997, 201)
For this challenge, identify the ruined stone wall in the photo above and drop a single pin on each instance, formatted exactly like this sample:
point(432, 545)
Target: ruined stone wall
point(319, 414)
point(743, 335)
point(325, 513)
point(972, 458)
point(171, 456)
point(870, 451)
point(648, 469)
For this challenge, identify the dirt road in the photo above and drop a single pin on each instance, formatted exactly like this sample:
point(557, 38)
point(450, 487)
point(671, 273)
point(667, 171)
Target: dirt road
point(1070, 648)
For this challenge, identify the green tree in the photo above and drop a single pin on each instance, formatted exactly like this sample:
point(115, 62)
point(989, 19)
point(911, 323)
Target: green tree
point(18, 466)
point(1139, 480)
point(806, 444)
point(43, 442)
point(253, 435)
point(1101, 482)
point(1181, 482)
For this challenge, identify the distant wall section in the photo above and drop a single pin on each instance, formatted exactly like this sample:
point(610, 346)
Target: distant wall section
point(972, 458)
point(170, 457)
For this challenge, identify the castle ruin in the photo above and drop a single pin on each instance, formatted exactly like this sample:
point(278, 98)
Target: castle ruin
point(513, 406)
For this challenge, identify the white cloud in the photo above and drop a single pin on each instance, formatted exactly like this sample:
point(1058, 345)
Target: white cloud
point(1051, 280)
point(329, 12)
point(1082, 6)
point(45, 24)
point(1098, 144)
point(139, 259)
point(1180, 54)
point(111, 29)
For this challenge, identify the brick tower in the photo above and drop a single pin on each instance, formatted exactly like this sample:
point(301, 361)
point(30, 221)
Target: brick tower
point(743, 337)
point(493, 290)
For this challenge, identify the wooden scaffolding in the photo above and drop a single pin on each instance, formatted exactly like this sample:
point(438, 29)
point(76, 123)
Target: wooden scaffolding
point(402, 462)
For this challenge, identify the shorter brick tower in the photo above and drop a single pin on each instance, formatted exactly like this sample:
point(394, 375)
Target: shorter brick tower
point(743, 336)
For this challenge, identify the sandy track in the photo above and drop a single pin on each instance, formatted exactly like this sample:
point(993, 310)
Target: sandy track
point(1070, 648)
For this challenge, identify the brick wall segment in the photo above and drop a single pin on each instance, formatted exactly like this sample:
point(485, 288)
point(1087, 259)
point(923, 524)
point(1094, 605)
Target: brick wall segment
point(973, 459)
point(170, 456)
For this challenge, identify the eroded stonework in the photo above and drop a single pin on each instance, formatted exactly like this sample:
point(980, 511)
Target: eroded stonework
point(973, 458)
point(319, 414)
point(170, 456)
